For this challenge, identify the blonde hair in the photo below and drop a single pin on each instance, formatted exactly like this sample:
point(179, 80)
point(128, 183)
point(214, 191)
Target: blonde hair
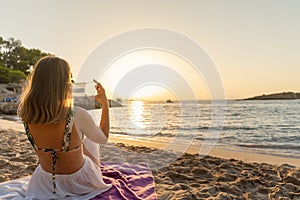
point(47, 96)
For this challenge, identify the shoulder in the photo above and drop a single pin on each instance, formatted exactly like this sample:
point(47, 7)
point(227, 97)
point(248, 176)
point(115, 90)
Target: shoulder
point(81, 113)
point(80, 116)
point(79, 110)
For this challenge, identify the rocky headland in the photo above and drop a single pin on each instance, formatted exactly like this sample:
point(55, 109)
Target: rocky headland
point(276, 96)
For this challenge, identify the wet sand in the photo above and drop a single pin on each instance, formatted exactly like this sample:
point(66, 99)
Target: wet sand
point(177, 175)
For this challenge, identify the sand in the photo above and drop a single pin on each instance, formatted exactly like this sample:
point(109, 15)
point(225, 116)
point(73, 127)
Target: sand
point(177, 176)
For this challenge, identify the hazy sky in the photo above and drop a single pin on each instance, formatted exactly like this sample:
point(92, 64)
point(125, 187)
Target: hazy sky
point(254, 44)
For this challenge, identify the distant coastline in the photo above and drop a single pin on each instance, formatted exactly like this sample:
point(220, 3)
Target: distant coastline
point(10, 94)
point(276, 96)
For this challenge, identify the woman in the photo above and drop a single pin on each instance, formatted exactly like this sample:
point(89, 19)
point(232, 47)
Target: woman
point(69, 162)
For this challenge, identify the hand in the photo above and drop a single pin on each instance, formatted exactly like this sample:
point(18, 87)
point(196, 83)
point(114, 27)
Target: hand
point(101, 95)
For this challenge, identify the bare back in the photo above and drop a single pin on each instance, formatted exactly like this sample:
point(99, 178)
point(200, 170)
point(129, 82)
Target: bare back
point(50, 137)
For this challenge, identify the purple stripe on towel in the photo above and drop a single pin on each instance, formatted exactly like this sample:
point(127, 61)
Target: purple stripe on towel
point(129, 181)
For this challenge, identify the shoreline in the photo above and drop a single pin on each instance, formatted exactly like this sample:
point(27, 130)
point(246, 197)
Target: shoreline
point(232, 153)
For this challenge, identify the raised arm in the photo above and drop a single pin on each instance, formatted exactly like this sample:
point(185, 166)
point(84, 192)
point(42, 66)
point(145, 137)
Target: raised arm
point(102, 99)
point(86, 124)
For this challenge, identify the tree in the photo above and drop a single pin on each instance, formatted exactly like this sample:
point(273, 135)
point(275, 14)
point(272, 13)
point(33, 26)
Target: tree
point(4, 74)
point(7, 48)
point(15, 76)
point(1, 56)
point(15, 56)
point(26, 58)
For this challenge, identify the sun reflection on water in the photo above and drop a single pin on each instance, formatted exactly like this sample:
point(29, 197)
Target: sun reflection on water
point(137, 113)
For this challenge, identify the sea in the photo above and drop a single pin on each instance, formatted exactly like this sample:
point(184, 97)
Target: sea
point(269, 127)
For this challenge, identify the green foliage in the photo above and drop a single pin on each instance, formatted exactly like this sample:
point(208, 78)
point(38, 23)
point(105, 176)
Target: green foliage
point(15, 76)
point(17, 57)
point(4, 71)
point(10, 76)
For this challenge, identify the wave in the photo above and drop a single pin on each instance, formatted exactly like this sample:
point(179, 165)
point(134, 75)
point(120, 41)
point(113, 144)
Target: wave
point(225, 128)
point(270, 146)
point(160, 134)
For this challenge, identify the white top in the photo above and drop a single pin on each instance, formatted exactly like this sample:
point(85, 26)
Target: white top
point(85, 125)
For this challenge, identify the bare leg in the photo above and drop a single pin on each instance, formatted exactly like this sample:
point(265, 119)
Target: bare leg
point(92, 150)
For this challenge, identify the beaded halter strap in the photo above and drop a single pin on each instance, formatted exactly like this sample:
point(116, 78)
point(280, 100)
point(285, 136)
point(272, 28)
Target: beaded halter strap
point(65, 143)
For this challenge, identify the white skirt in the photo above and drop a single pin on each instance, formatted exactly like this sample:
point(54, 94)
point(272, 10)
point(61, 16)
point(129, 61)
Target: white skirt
point(85, 180)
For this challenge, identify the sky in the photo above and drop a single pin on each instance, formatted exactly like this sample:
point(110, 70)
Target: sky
point(254, 44)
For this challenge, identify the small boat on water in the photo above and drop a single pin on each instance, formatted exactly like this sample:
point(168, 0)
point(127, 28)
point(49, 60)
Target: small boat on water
point(169, 101)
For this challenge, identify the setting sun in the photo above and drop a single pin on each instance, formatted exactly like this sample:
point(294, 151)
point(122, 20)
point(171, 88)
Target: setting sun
point(171, 73)
point(152, 93)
